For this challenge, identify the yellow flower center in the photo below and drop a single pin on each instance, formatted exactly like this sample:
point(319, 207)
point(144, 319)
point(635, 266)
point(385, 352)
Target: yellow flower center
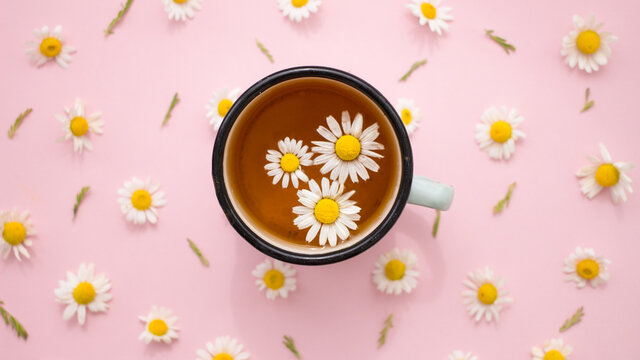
point(179, 1)
point(588, 269)
point(500, 131)
point(326, 211)
point(289, 163)
point(406, 116)
point(14, 233)
point(348, 147)
point(84, 293)
point(428, 10)
point(607, 175)
point(274, 279)
point(299, 3)
point(79, 126)
point(394, 270)
point(50, 47)
point(553, 355)
point(487, 294)
point(223, 356)
point(588, 42)
point(223, 107)
point(141, 199)
point(158, 327)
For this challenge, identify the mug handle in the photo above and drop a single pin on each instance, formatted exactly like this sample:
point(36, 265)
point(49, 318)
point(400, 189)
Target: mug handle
point(430, 193)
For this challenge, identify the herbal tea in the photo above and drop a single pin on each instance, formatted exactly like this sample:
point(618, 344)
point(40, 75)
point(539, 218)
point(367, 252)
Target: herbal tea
point(312, 162)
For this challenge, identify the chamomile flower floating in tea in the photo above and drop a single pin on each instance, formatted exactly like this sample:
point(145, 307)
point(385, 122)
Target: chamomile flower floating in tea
point(297, 10)
point(49, 46)
point(605, 173)
point(486, 295)
point(431, 13)
point(587, 45)
point(139, 200)
point(223, 348)
point(326, 210)
point(219, 105)
point(288, 162)
point(181, 9)
point(553, 349)
point(498, 132)
point(159, 325)
point(583, 266)
point(459, 355)
point(16, 231)
point(83, 291)
point(77, 125)
point(395, 272)
point(409, 114)
point(277, 277)
point(349, 150)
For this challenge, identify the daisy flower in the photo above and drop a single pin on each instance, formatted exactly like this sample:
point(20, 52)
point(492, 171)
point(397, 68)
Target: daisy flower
point(347, 154)
point(584, 266)
point(77, 125)
point(140, 200)
point(219, 106)
point(326, 210)
point(395, 272)
point(605, 173)
point(553, 349)
point(223, 348)
point(498, 132)
point(586, 45)
point(83, 290)
point(459, 355)
point(486, 295)
point(430, 12)
point(181, 9)
point(49, 47)
point(296, 10)
point(276, 276)
point(159, 326)
point(16, 229)
point(409, 113)
point(288, 162)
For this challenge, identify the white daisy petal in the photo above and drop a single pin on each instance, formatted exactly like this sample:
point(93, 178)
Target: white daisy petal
point(605, 173)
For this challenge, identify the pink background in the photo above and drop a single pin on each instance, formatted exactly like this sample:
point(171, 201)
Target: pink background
point(336, 312)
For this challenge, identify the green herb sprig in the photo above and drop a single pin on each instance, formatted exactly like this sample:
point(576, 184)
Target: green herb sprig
point(118, 17)
point(587, 103)
point(288, 342)
point(501, 41)
point(388, 324)
point(436, 224)
point(505, 201)
point(264, 50)
point(173, 104)
point(79, 198)
point(413, 68)
point(13, 322)
point(198, 253)
point(575, 318)
point(18, 122)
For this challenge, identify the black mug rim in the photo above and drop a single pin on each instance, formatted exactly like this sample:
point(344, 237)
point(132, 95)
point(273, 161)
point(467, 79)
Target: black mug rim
point(264, 246)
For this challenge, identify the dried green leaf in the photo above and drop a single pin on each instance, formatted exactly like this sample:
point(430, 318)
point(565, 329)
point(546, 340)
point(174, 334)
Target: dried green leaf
point(174, 101)
point(118, 17)
point(505, 201)
point(9, 320)
point(288, 342)
point(587, 103)
point(413, 68)
point(79, 198)
point(383, 333)
point(575, 318)
point(198, 253)
point(436, 224)
point(501, 41)
point(16, 124)
point(264, 50)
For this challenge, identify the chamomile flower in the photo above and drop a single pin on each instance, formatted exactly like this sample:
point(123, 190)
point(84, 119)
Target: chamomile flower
point(277, 277)
point(349, 150)
point(181, 9)
point(409, 113)
point(430, 12)
point(498, 132)
point(223, 348)
point(77, 125)
point(139, 200)
point(486, 295)
point(326, 210)
point(83, 291)
point(297, 10)
point(584, 267)
point(586, 45)
point(49, 46)
point(554, 349)
point(159, 325)
point(219, 106)
point(16, 231)
point(459, 355)
point(395, 272)
point(288, 162)
point(605, 173)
